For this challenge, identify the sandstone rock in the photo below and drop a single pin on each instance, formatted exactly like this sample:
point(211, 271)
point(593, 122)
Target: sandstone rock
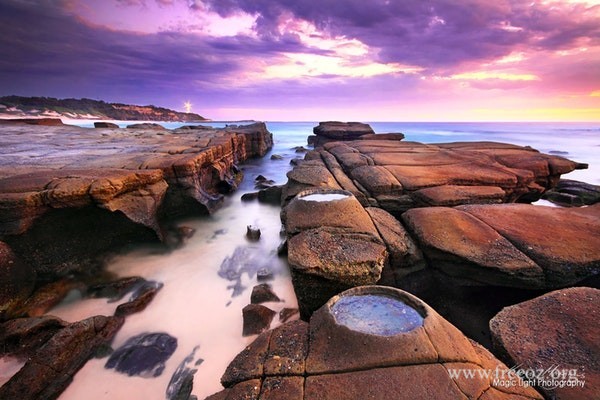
point(337, 209)
point(382, 136)
point(248, 364)
point(288, 349)
point(404, 255)
point(47, 296)
point(17, 281)
point(398, 175)
point(286, 313)
point(460, 245)
point(556, 333)
point(270, 195)
point(257, 319)
point(564, 243)
point(376, 352)
point(23, 336)
point(143, 355)
point(140, 298)
point(258, 139)
point(252, 233)
point(263, 293)
point(63, 179)
point(147, 125)
point(569, 193)
point(115, 290)
point(342, 130)
point(35, 121)
point(46, 374)
point(105, 125)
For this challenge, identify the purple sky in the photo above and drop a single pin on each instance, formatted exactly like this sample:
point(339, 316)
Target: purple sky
point(395, 60)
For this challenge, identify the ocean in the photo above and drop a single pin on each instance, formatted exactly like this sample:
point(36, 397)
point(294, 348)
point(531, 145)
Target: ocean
point(198, 306)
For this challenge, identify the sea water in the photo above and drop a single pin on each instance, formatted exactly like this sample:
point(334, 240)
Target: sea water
point(201, 308)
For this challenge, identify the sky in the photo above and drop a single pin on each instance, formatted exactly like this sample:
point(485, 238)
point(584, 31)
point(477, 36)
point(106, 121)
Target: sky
point(307, 60)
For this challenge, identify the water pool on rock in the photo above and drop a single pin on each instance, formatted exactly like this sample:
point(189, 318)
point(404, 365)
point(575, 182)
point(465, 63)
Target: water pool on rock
point(324, 197)
point(376, 315)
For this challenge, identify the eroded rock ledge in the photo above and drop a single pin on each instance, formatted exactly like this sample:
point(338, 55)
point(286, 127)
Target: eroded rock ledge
point(69, 194)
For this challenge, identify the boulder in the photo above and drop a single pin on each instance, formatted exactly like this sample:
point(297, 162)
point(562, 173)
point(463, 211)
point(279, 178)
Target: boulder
point(370, 342)
point(563, 242)
point(105, 125)
point(325, 262)
point(48, 372)
point(257, 319)
point(140, 298)
point(570, 193)
point(554, 337)
point(342, 130)
point(460, 245)
point(382, 136)
point(252, 233)
point(263, 293)
point(143, 355)
point(147, 125)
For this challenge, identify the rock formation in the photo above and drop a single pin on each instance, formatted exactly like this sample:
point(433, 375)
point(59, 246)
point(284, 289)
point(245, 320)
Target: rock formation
point(396, 223)
point(62, 180)
point(555, 335)
point(362, 352)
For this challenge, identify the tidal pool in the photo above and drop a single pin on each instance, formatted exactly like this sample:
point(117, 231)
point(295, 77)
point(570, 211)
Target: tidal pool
point(376, 315)
point(324, 197)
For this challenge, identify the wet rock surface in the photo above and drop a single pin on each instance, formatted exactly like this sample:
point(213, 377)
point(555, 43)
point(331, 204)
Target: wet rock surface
point(556, 333)
point(143, 355)
point(263, 293)
point(51, 368)
point(257, 319)
point(570, 193)
point(324, 360)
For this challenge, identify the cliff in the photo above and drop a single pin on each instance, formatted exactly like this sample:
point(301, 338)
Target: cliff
point(16, 106)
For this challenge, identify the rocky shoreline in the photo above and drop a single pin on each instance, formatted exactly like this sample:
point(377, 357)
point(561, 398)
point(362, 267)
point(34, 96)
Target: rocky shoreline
point(446, 225)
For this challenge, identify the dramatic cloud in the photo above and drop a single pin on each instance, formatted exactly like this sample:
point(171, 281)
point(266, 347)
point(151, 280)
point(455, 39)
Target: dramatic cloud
point(382, 59)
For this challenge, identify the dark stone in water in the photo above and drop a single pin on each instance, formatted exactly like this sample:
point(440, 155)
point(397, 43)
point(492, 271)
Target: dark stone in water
point(257, 319)
point(143, 355)
point(140, 298)
point(264, 274)
point(249, 196)
point(182, 382)
point(252, 233)
point(276, 157)
point(115, 290)
point(376, 315)
point(263, 293)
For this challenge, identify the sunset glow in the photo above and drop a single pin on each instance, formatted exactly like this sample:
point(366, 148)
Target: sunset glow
point(309, 60)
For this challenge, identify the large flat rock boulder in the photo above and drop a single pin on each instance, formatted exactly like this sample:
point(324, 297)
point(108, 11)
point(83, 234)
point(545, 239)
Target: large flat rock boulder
point(400, 175)
point(517, 245)
point(342, 130)
point(554, 338)
point(370, 342)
